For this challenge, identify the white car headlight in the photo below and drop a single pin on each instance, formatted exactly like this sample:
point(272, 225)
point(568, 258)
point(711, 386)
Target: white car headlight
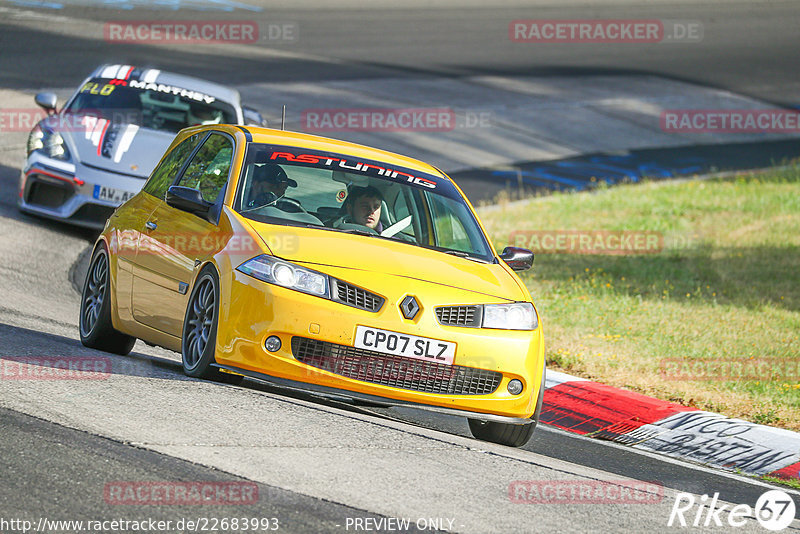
point(282, 273)
point(516, 316)
point(48, 141)
point(35, 139)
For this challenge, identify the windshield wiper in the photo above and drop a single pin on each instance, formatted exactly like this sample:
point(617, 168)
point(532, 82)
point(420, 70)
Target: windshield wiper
point(458, 253)
point(466, 255)
point(355, 231)
point(343, 230)
point(358, 232)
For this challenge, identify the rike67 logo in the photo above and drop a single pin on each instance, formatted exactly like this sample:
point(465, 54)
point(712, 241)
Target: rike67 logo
point(774, 511)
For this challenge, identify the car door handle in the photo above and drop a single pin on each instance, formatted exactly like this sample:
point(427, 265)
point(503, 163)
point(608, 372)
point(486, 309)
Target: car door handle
point(151, 225)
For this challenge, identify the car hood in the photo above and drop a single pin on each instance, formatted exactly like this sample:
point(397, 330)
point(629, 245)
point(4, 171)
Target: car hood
point(122, 148)
point(320, 247)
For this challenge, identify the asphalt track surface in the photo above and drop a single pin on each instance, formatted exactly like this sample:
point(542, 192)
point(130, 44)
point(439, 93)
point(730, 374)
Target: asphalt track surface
point(748, 47)
point(318, 463)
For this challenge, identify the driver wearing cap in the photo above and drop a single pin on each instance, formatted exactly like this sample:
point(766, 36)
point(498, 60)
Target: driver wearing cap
point(269, 184)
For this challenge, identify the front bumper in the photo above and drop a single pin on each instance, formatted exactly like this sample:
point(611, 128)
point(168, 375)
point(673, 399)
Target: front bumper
point(355, 397)
point(67, 192)
point(252, 311)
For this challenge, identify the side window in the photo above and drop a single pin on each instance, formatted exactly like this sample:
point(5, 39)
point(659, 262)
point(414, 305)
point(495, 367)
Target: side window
point(164, 174)
point(450, 232)
point(208, 170)
point(401, 210)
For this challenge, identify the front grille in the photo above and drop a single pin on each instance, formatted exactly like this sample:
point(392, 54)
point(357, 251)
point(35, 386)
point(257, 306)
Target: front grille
point(460, 315)
point(356, 297)
point(395, 371)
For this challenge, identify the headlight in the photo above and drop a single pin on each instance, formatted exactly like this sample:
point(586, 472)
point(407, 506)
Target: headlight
point(274, 271)
point(517, 316)
point(48, 141)
point(35, 139)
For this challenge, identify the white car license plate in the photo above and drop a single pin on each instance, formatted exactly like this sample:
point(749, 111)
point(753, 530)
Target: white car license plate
point(118, 196)
point(418, 348)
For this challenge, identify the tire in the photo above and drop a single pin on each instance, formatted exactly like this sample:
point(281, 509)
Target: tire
point(95, 326)
point(502, 433)
point(199, 337)
point(507, 433)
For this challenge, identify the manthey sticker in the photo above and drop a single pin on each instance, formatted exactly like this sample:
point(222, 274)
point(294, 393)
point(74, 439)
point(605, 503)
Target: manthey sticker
point(136, 78)
point(172, 90)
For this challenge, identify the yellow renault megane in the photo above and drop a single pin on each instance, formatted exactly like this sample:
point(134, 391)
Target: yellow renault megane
point(308, 262)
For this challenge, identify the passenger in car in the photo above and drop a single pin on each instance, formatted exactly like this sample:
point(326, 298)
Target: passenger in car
point(269, 184)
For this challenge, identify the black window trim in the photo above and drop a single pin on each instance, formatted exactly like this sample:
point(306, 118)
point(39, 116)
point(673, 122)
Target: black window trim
point(216, 209)
point(181, 169)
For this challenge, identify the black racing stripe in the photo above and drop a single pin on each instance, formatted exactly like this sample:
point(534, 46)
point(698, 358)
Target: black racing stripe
point(247, 135)
point(113, 172)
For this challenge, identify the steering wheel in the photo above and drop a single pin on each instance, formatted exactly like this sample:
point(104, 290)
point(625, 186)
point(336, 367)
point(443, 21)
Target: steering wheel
point(355, 226)
point(293, 203)
point(289, 205)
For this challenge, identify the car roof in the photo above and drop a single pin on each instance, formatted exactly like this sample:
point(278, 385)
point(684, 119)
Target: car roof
point(158, 76)
point(315, 142)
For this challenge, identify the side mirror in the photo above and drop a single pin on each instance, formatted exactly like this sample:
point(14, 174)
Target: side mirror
point(47, 101)
point(252, 117)
point(519, 259)
point(188, 199)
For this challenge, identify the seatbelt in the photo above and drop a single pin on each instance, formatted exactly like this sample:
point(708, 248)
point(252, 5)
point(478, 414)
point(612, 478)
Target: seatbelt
point(397, 227)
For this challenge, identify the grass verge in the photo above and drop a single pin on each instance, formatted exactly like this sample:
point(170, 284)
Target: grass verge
point(794, 484)
point(709, 316)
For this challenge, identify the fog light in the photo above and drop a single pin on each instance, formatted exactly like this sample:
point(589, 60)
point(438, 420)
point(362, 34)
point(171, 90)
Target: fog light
point(515, 387)
point(273, 343)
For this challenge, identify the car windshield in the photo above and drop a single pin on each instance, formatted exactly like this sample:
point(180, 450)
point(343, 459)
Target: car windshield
point(157, 109)
point(287, 185)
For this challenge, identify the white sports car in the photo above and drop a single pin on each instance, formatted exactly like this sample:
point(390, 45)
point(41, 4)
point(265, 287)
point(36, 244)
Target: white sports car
point(97, 151)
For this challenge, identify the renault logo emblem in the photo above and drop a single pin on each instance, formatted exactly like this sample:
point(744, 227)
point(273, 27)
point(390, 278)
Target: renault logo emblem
point(409, 307)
